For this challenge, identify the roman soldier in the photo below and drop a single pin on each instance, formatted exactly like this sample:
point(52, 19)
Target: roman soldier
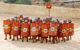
point(44, 28)
point(7, 28)
point(30, 21)
point(53, 31)
point(15, 29)
point(20, 17)
point(71, 29)
point(25, 28)
point(63, 29)
point(34, 30)
point(39, 23)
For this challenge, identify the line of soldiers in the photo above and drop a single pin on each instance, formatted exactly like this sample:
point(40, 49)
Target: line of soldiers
point(47, 29)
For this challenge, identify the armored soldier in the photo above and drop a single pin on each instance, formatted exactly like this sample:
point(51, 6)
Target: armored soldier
point(34, 30)
point(25, 28)
point(44, 28)
point(15, 29)
point(7, 28)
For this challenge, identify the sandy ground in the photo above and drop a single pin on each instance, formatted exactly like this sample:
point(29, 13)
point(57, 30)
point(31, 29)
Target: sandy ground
point(39, 10)
point(73, 44)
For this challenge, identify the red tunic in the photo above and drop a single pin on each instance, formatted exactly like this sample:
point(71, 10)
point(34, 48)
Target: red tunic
point(39, 23)
point(34, 29)
point(15, 28)
point(25, 30)
point(44, 30)
point(7, 26)
point(63, 29)
point(71, 29)
point(53, 29)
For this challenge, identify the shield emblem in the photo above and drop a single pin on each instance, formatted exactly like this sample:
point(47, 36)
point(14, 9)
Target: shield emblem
point(33, 29)
point(16, 28)
point(70, 29)
point(63, 31)
point(24, 29)
point(52, 28)
point(6, 26)
point(45, 30)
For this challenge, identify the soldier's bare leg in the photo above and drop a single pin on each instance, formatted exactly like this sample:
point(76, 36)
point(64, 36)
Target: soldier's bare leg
point(42, 39)
point(17, 37)
point(27, 39)
point(46, 40)
point(56, 39)
point(9, 36)
point(20, 36)
point(30, 38)
point(33, 38)
point(67, 38)
point(63, 38)
point(13, 38)
point(70, 37)
point(49, 38)
point(5, 36)
point(53, 40)
point(22, 39)
point(38, 38)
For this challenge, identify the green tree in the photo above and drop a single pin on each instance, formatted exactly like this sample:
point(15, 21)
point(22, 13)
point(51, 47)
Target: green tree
point(18, 1)
point(46, 0)
point(23, 2)
point(10, 1)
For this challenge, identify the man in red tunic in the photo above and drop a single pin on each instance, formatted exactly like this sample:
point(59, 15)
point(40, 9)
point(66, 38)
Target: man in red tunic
point(7, 28)
point(53, 31)
point(44, 34)
point(39, 23)
point(15, 29)
point(63, 29)
point(25, 28)
point(20, 17)
point(34, 30)
point(71, 29)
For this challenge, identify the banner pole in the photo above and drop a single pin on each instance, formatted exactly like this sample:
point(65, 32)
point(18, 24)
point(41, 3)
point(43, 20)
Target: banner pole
point(49, 12)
